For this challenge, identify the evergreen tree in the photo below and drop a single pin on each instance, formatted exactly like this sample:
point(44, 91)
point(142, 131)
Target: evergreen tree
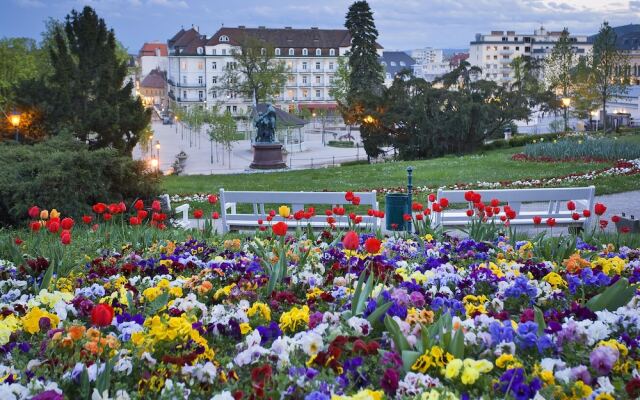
point(87, 93)
point(609, 67)
point(365, 77)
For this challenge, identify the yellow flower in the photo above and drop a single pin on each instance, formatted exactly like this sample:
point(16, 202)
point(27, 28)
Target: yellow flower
point(434, 357)
point(31, 321)
point(366, 394)
point(505, 360)
point(547, 377)
point(245, 328)
point(54, 213)
point(262, 308)
point(581, 390)
point(604, 396)
point(8, 325)
point(453, 368)
point(554, 280)
point(176, 291)
point(284, 211)
point(152, 293)
point(614, 344)
point(294, 318)
point(44, 214)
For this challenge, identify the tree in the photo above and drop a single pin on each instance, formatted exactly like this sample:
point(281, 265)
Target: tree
point(608, 68)
point(18, 62)
point(255, 73)
point(559, 65)
point(460, 77)
point(86, 91)
point(223, 129)
point(365, 77)
point(340, 87)
point(585, 97)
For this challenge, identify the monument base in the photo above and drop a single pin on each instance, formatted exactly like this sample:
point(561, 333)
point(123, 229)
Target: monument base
point(267, 156)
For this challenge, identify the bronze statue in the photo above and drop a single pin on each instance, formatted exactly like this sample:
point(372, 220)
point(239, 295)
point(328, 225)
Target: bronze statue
point(266, 124)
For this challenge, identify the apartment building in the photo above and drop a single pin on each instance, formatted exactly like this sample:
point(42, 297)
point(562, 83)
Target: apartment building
point(197, 65)
point(495, 51)
point(427, 55)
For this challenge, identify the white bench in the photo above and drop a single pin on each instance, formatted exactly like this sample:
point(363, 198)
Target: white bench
point(232, 220)
point(183, 209)
point(554, 205)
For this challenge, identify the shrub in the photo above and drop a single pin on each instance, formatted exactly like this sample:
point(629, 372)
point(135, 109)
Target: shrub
point(64, 174)
point(574, 148)
point(354, 162)
point(519, 140)
point(340, 143)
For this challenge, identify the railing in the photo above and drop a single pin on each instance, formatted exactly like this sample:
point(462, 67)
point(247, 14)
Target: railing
point(187, 85)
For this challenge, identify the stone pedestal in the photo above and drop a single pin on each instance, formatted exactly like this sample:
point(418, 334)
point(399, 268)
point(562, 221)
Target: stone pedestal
point(267, 156)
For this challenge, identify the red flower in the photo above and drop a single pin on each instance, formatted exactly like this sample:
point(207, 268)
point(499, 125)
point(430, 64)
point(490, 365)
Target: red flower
point(586, 213)
point(122, 207)
point(406, 217)
point(87, 219)
point(331, 220)
point(138, 205)
point(615, 219)
point(625, 229)
point(17, 241)
point(372, 245)
point(298, 215)
point(551, 222)
point(35, 226)
point(431, 197)
point(444, 202)
point(114, 208)
point(381, 214)
point(53, 226)
point(212, 199)
point(142, 214)
point(106, 216)
point(349, 196)
point(511, 214)
point(34, 212)
point(156, 206)
point(496, 210)
point(416, 206)
point(419, 217)
point(495, 202)
point(215, 215)
point(279, 228)
point(390, 382)
point(575, 216)
point(328, 212)
point(477, 197)
point(603, 223)
point(65, 238)
point(66, 223)
point(599, 208)
point(469, 213)
point(197, 214)
point(350, 241)
point(102, 315)
point(99, 208)
point(571, 205)
point(436, 207)
point(338, 210)
point(503, 218)
point(633, 388)
point(468, 195)
point(134, 221)
point(355, 201)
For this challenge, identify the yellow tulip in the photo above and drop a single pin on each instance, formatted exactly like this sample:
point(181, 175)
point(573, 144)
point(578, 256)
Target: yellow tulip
point(44, 214)
point(284, 211)
point(54, 213)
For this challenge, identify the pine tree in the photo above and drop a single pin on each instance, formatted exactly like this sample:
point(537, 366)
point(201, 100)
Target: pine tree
point(89, 95)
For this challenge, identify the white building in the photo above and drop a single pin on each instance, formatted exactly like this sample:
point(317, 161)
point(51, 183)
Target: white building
point(427, 55)
point(429, 63)
point(197, 64)
point(494, 52)
point(152, 56)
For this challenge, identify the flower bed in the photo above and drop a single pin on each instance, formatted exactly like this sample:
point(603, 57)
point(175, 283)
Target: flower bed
point(344, 315)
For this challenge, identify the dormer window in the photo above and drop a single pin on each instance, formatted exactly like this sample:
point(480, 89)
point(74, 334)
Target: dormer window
point(305, 52)
point(393, 63)
point(199, 50)
point(291, 52)
point(223, 38)
point(318, 52)
point(332, 52)
point(402, 63)
point(277, 52)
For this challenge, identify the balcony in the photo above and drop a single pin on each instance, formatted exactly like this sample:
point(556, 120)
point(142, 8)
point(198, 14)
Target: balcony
point(505, 61)
point(172, 96)
point(505, 52)
point(187, 85)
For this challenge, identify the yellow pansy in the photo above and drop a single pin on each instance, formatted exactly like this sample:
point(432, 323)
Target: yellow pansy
point(294, 319)
point(245, 328)
point(31, 321)
point(554, 280)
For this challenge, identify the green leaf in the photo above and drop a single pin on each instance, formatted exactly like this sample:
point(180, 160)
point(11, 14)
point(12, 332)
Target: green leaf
point(378, 312)
point(364, 295)
point(409, 357)
point(399, 340)
point(356, 294)
point(158, 303)
point(46, 279)
point(539, 318)
point(456, 347)
point(615, 296)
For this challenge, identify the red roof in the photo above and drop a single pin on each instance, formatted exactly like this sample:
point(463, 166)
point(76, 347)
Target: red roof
point(149, 49)
point(155, 79)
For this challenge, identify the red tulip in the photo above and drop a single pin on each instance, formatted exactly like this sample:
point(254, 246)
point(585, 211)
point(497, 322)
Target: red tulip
point(551, 222)
point(298, 215)
point(142, 214)
point(87, 219)
point(431, 197)
point(571, 205)
point(599, 208)
point(331, 220)
point(279, 228)
point(350, 241)
point(138, 205)
point(615, 219)
point(156, 206)
point(260, 221)
point(425, 212)
point(338, 211)
point(134, 221)
point(99, 208)
point(496, 210)
point(122, 207)
point(272, 213)
point(328, 212)
point(444, 202)
point(495, 202)
point(503, 218)
point(65, 238)
point(575, 216)
point(436, 207)
point(34, 212)
point(35, 226)
point(603, 223)
point(511, 214)
point(53, 226)
point(537, 220)
point(416, 206)
point(106, 216)
point(477, 197)
point(197, 214)
point(468, 195)
point(419, 217)
point(469, 213)
point(380, 214)
point(372, 245)
point(212, 199)
point(355, 201)
point(17, 241)
point(625, 229)
point(114, 208)
point(349, 196)
point(215, 215)
point(67, 223)
point(102, 315)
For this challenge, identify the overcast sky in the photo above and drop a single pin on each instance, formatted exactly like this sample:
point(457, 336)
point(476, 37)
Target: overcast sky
point(403, 24)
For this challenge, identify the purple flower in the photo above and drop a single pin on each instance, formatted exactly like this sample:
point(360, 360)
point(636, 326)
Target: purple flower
point(581, 373)
point(48, 395)
point(44, 323)
point(417, 299)
point(315, 319)
point(389, 381)
point(603, 358)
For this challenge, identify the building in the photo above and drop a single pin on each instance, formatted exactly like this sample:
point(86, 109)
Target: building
point(628, 41)
point(153, 89)
point(395, 62)
point(427, 55)
point(197, 64)
point(430, 64)
point(457, 58)
point(495, 51)
point(153, 55)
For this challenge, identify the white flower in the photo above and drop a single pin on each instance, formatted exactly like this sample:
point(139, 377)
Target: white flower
point(605, 385)
point(124, 365)
point(359, 325)
point(564, 375)
point(122, 395)
point(311, 343)
point(148, 358)
point(97, 396)
point(226, 395)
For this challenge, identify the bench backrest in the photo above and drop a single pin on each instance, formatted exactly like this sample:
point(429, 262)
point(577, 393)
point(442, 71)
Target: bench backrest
point(229, 201)
point(553, 201)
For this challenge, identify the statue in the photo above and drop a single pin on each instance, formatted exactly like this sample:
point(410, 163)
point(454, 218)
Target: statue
point(266, 124)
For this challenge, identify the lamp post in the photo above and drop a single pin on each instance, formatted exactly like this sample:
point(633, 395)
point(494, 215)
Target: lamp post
point(158, 155)
point(14, 118)
point(176, 121)
point(566, 102)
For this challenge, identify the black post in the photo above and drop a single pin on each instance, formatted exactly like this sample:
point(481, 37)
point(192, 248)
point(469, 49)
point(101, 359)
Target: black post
point(409, 193)
point(17, 136)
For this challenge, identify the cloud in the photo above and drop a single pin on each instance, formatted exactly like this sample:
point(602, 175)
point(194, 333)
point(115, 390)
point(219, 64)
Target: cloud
point(169, 3)
point(30, 3)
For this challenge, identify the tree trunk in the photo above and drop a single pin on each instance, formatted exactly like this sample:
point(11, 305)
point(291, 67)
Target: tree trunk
point(604, 113)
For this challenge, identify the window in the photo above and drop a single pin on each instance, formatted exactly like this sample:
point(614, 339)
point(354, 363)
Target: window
point(200, 65)
point(331, 65)
point(317, 65)
point(263, 51)
point(305, 93)
point(199, 50)
point(488, 57)
point(393, 63)
point(403, 64)
point(318, 52)
point(214, 94)
point(290, 93)
point(318, 79)
point(277, 52)
point(224, 38)
point(200, 94)
point(304, 65)
point(214, 65)
point(305, 52)
point(517, 48)
point(184, 94)
point(291, 52)
point(304, 79)
point(228, 109)
point(224, 52)
point(331, 79)
point(332, 52)
point(213, 52)
point(214, 80)
point(292, 79)
point(184, 79)
point(235, 109)
point(384, 64)
point(318, 94)
point(200, 80)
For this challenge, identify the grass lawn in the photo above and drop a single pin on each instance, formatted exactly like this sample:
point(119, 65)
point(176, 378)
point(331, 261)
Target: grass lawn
point(489, 166)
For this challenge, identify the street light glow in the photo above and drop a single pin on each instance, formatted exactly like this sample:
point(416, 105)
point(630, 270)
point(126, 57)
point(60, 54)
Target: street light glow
point(153, 162)
point(15, 119)
point(369, 119)
point(566, 101)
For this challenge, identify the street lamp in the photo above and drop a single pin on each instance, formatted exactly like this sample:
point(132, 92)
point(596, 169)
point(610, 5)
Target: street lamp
point(176, 119)
point(15, 121)
point(158, 155)
point(566, 102)
point(592, 114)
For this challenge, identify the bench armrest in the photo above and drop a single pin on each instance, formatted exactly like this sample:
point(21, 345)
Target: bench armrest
point(184, 209)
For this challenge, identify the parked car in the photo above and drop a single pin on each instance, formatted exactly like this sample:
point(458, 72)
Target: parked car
point(166, 120)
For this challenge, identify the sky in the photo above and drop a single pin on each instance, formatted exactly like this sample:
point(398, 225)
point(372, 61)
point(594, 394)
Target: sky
point(402, 24)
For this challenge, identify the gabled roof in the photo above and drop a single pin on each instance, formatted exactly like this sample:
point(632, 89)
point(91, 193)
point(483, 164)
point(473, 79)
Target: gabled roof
point(286, 37)
point(393, 60)
point(156, 79)
point(149, 49)
point(183, 38)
